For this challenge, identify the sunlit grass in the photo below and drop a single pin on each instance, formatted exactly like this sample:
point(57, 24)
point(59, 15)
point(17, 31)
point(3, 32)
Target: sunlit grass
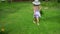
point(18, 19)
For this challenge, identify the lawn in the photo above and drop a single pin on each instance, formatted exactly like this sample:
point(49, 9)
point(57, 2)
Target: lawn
point(17, 18)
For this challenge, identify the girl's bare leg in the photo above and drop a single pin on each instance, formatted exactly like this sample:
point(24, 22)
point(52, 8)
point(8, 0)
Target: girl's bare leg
point(37, 21)
point(34, 20)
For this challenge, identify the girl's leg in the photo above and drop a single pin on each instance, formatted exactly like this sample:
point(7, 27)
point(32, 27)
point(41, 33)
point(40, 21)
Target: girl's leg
point(34, 20)
point(37, 21)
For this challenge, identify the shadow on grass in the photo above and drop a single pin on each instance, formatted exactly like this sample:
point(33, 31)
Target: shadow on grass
point(3, 32)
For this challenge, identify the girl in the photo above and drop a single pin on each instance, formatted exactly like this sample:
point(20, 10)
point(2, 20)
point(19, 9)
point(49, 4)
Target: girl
point(36, 12)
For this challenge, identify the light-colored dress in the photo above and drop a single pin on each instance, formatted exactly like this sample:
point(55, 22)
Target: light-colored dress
point(37, 14)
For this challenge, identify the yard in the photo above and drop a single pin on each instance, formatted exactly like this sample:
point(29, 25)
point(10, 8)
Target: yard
point(17, 18)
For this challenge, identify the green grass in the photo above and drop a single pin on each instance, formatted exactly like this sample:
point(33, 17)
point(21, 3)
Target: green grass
point(18, 19)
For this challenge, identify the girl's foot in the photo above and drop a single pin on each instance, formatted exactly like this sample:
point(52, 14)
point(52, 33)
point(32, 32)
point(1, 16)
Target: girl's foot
point(38, 24)
point(34, 22)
